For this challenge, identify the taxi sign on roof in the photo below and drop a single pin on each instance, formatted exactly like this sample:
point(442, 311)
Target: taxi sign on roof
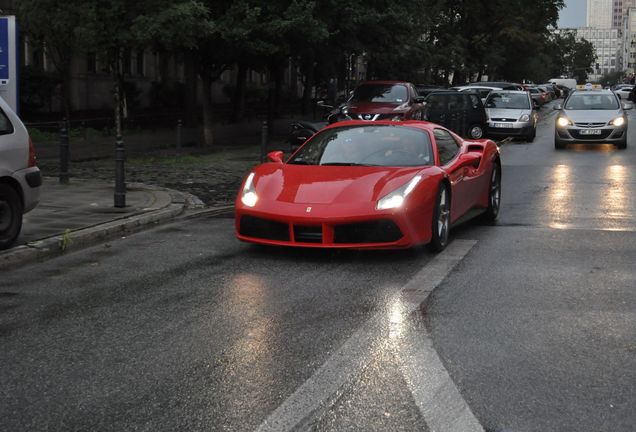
point(589, 86)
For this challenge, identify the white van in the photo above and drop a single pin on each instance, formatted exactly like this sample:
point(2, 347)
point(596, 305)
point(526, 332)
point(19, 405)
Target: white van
point(565, 82)
point(20, 178)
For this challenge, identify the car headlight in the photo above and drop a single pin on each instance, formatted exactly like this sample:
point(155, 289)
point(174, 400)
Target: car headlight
point(618, 121)
point(396, 198)
point(563, 122)
point(524, 118)
point(248, 194)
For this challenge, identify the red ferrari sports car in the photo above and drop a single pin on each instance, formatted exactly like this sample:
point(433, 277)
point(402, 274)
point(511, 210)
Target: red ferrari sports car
point(370, 185)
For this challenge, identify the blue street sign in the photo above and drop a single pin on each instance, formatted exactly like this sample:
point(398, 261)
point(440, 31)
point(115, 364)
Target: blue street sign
point(4, 50)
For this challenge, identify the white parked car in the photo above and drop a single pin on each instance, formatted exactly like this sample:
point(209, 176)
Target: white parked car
point(622, 91)
point(511, 113)
point(20, 178)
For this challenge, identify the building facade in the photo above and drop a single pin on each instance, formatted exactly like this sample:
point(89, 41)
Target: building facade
point(600, 13)
point(608, 46)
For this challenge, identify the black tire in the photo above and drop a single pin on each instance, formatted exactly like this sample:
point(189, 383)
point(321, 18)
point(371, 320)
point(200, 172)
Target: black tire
point(494, 195)
point(476, 131)
point(558, 144)
point(532, 135)
point(622, 145)
point(10, 215)
point(440, 225)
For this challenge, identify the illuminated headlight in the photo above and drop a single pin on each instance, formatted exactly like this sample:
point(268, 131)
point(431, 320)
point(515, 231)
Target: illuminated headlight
point(563, 122)
point(618, 121)
point(248, 194)
point(524, 118)
point(396, 198)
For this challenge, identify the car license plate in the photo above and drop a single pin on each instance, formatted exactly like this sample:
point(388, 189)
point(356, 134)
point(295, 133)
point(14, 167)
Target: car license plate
point(590, 131)
point(503, 125)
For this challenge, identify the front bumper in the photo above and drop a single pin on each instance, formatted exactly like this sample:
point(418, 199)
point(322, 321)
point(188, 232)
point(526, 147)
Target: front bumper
point(350, 228)
point(605, 134)
point(511, 129)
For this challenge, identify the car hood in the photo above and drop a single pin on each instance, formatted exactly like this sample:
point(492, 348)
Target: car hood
point(302, 184)
point(374, 107)
point(592, 116)
point(507, 113)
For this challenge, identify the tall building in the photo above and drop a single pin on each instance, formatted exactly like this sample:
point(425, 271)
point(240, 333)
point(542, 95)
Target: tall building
point(619, 11)
point(600, 13)
point(607, 46)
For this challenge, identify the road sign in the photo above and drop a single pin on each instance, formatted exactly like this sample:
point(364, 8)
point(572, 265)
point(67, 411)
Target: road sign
point(9, 61)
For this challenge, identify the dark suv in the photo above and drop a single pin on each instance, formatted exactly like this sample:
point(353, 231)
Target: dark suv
point(384, 100)
point(461, 112)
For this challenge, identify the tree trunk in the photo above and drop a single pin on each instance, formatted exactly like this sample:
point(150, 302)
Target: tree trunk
point(208, 136)
point(238, 110)
point(191, 81)
point(309, 72)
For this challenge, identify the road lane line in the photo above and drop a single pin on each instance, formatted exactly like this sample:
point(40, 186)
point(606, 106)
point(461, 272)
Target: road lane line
point(439, 401)
point(324, 387)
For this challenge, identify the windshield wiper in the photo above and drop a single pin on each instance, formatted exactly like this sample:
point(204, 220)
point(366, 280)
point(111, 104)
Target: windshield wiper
point(300, 162)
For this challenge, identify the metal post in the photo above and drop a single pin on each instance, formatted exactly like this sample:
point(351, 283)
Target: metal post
point(120, 185)
point(264, 134)
point(64, 152)
point(179, 136)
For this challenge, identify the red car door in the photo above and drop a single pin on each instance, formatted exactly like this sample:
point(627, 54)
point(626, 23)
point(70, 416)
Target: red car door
point(448, 150)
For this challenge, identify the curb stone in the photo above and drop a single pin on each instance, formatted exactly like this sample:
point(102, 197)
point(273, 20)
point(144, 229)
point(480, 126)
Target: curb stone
point(75, 240)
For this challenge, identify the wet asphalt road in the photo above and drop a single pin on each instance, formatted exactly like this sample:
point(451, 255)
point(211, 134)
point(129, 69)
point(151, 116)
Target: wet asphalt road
point(538, 326)
point(184, 328)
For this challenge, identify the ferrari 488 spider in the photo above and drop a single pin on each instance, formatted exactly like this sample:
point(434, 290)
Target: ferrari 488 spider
point(370, 185)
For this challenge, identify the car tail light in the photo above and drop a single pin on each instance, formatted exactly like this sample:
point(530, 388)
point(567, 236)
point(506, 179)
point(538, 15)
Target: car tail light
point(543, 96)
point(32, 157)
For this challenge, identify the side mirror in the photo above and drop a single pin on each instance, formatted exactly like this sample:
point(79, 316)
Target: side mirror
point(419, 99)
point(470, 159)
point(275, 156)
point(628, 106)
point(558, 107)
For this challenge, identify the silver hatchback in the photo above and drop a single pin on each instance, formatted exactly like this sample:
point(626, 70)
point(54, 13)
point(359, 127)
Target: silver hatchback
point(591, 116)
point(20, 178)
point(510, 113)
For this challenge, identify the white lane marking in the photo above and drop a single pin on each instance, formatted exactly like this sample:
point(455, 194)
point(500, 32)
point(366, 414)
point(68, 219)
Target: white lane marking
point(321, 389)
point(439, 401)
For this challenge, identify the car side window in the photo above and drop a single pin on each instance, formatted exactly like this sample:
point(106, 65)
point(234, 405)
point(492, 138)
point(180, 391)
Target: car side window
point(6, 127)
point(447, 147)
point(475, 101)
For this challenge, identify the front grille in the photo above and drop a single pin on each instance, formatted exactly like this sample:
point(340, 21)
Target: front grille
point(577, 135)
point(367, 117)
point(308, 234)
point(380, 231)
point(511, 131)
point(251, 226)
point(507, 120)
point(589, 125)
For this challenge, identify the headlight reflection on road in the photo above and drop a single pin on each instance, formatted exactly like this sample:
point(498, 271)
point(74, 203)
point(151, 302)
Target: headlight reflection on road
point(397, 313)
point(615, 199)
point(560, 194)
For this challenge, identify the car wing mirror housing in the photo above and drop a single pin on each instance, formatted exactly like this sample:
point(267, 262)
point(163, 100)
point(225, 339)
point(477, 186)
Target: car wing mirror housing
point(628, 106)
point(558, 107)
point(275, 156)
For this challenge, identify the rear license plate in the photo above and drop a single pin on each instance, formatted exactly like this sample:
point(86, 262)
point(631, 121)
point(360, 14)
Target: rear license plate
point(503, 125)
point(590, 131)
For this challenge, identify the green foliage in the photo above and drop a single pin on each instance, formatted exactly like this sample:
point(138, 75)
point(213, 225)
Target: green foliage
point(37, 89)
point(65, 240)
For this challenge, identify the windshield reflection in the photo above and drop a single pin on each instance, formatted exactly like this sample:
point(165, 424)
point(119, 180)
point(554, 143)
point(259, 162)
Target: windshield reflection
point(372, 145)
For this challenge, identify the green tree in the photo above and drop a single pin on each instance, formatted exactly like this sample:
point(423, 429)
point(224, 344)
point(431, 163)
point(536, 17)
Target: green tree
point(53, 25)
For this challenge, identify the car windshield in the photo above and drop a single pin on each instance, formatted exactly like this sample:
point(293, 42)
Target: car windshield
point(592, 102)
point(508, 101)
point(388, 93)
point(372, 145)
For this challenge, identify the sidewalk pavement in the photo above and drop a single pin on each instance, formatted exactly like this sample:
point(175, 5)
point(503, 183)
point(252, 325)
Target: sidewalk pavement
point(81, 213)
